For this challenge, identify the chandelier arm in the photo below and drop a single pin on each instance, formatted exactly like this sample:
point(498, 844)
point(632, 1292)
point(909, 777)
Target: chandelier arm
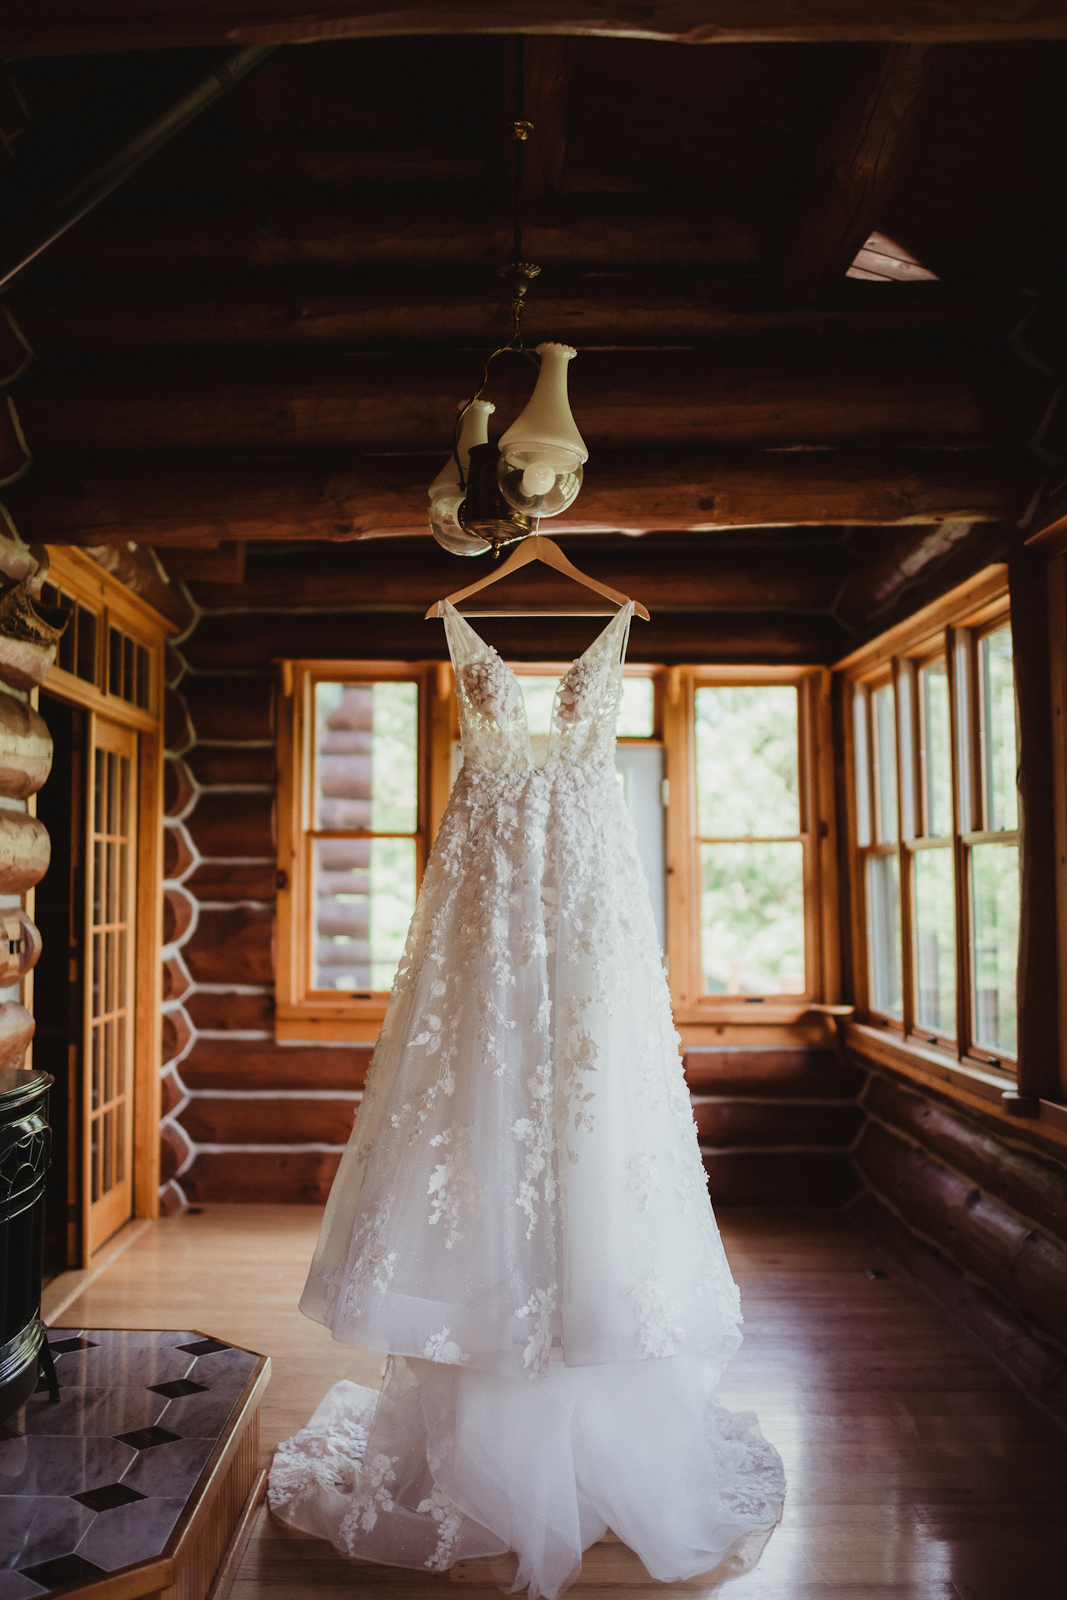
point(505, 349)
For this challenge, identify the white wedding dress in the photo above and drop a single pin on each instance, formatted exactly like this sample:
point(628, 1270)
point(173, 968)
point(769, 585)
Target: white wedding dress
point(521, 1220)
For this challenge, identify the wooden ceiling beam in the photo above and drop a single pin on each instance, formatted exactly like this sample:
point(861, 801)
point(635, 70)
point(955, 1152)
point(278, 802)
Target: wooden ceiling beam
point(848, 392)
point(567, 232)
point(852, 167)
point(68, 313)
point(58, 27)
point(317, 164)
point(91, 188)
point(101, 499)
point(254, 640)
point(903, 560)
point(382, 576)
point(549, 62)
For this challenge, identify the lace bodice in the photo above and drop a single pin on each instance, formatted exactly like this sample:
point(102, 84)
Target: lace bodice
point(492, 714)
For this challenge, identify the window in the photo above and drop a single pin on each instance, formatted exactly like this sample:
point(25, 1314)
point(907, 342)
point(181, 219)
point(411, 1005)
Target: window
point(353, 834)
point(127, 672)
point(639, 761)
point(750, 850)
point(364, 833)
point(637, 715)
point(935, 827)
point(128, 668)
point(992, 846)
point(751, 877)
point(727, 776)
point(875, 739)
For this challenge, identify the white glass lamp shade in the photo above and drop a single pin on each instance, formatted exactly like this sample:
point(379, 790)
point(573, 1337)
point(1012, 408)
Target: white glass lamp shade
point(542, 453)
point(447, 493)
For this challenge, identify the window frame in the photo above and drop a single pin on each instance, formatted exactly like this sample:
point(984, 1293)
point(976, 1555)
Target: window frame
point(952, 628)
point(635, 669)
point(692, 1006)
point(303, 1012)
point(115, 609)
point(305, 1015)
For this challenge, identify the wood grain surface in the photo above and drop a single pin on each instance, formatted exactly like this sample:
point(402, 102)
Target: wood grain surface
point(33, 28)
point(916, 1470)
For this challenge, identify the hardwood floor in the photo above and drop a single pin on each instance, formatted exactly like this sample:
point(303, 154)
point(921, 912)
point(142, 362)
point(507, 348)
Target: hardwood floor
point(916, 1470)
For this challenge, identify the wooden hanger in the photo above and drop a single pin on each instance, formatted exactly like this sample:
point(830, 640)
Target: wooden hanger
point(538, 548)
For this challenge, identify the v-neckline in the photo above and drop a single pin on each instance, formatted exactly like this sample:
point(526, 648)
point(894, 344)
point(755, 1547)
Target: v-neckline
point(493, 651)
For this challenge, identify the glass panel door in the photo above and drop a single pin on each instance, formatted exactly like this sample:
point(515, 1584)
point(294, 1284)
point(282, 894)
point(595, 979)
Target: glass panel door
point(111, 863)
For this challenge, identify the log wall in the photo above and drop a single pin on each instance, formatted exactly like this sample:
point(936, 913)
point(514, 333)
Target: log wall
point(25, 762)
point(247, 1118)
point(977, 1218)
point(776, 1125)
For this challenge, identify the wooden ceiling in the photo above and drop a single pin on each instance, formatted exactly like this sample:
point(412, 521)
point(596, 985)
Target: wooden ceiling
point(261, 338)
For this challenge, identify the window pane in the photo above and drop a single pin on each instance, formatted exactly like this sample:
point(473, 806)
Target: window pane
point(67, 639)
point(752, 918)
point(883, 934)
point(998, 730)
point(129, 657)
point(746, 748)
point(935, 941)
point(144, 682)
point(539, 695)
point(995, 915)
point(364, 900)
point(907, 744)
point(863, 787)
point(637, 711)
point(936, 753)
point(86, 645)
point(367, 755)
point(885, 765)
point(114, 661)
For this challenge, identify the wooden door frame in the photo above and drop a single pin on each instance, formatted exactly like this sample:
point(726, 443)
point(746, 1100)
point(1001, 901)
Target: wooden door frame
point(99, 726)
point(77, 574)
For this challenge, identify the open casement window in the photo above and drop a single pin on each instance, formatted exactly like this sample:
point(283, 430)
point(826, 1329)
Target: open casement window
point(356, 802)
point(934, 821)
point(751, 875)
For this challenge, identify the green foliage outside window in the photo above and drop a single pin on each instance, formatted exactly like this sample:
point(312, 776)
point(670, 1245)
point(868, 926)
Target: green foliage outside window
point(751, 855)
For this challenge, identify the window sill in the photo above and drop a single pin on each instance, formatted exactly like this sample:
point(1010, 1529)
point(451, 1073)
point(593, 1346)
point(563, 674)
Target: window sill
point(888, 1045)
point(354, 1022)
point(734, 1011)
point(973, 1088)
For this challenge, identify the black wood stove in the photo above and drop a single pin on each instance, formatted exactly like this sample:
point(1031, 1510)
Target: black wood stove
point(25, 1141)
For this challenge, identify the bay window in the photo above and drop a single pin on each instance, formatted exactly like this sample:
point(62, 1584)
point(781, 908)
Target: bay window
point(935, 841)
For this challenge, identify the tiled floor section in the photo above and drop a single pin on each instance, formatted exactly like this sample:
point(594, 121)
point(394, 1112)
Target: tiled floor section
point(99, 1480)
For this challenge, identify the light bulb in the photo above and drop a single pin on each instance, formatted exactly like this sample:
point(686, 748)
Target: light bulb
point(539, 481)
point(538, 478)
point(447, 528)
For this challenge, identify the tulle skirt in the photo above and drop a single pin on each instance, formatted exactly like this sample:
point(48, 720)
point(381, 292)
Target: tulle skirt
point(451, 1464)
